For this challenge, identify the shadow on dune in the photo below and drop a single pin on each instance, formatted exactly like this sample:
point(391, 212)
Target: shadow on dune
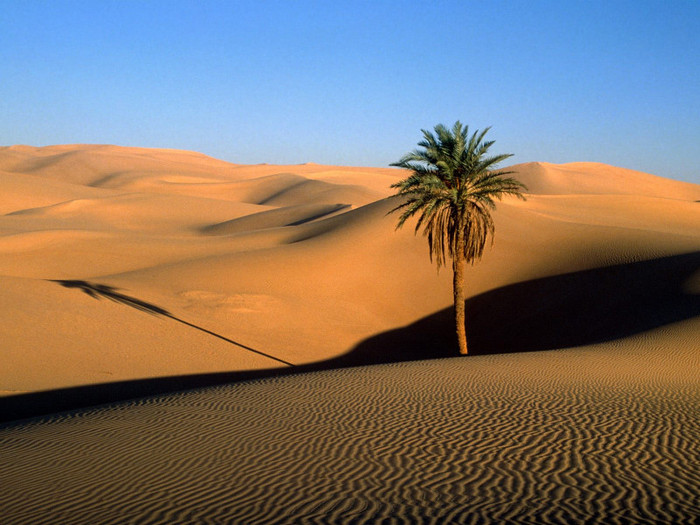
point(98, 291)
point(561, 311)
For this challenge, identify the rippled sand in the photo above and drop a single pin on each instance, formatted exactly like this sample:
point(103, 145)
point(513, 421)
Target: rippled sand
point(602, 434)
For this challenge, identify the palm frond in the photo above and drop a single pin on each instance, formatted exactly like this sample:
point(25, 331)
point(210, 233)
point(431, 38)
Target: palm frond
point(452, 187)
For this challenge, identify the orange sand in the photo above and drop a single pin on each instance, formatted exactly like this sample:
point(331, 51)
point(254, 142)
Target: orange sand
point(121, 266)
point(300, 262)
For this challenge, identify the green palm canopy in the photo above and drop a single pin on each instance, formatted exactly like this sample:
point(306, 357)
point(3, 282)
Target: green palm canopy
point(452, 188)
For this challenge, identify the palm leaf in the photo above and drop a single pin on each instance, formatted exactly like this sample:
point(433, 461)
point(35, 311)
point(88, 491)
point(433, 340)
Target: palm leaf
point(451, 189)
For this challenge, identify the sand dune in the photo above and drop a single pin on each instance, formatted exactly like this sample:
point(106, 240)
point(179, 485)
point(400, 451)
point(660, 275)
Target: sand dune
point(30, 191)
point(130, 272)
point(597, 179)
point(543, 437)
point(276, 218)
point(300, 261)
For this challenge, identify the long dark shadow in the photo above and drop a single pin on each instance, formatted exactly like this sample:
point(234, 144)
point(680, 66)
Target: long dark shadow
point(562, 311)
point(101, 290)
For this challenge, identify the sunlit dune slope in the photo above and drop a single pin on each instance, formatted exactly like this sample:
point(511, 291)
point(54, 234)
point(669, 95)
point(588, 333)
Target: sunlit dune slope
point(300, 262)
point(595, 178)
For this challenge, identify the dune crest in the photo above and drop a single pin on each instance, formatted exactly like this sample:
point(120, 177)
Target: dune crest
point(301, 262)
point(596, 178)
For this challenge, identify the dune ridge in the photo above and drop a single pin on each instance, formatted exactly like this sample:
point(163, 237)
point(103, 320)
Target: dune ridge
point(138, 273)
point(309, 250)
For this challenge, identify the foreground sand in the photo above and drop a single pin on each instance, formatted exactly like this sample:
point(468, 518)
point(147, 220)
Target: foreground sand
point(601, 434)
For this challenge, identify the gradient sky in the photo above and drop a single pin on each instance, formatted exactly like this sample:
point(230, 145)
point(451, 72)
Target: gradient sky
point(352, 83)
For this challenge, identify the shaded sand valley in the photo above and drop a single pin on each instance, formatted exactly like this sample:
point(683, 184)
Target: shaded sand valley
point(266, 348)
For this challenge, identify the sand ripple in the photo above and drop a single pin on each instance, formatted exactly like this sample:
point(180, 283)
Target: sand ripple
point(558, 437)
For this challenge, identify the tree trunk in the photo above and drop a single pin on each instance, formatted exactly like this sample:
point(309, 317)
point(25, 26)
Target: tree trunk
point(458, 266)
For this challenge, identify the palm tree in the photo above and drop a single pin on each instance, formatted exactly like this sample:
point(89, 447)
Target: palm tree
point(452, 187)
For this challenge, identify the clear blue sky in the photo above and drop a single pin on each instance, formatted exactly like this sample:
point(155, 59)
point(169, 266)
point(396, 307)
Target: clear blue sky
point(353, 82)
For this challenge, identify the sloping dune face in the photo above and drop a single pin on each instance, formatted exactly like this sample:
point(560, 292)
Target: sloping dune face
point(123, 269)
point(252, 267)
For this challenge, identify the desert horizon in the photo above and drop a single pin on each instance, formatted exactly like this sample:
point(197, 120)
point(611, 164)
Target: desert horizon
point(349, 262)
point(273, 315)
point(229, 248)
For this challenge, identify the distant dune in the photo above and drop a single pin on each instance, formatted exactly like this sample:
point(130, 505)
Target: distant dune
point(301, 262)
point(128, 272)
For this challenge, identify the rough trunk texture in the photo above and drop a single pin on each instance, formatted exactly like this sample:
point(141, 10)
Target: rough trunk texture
point(458, 266)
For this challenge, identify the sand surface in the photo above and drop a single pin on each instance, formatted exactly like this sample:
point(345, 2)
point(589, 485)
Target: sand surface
point(129, 271)
point(299, 262)
point(601, 434)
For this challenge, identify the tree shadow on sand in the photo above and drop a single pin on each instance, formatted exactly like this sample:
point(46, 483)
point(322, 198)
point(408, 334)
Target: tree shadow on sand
point(98, 291)
point(562, 311)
